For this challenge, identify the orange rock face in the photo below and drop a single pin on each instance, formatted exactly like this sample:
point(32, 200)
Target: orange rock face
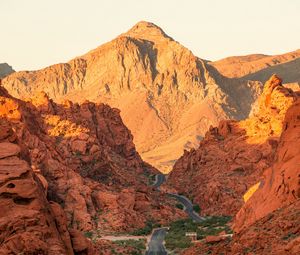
point(27, 222)
point(83, 159)
point(268, 223)
point(281, 182)
point(233, 156)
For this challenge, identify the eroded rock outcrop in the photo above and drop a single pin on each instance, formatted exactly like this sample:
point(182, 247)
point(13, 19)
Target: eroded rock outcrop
point(268, 223)
point(28, 224)
point(84, 160)
point(233, 156)
point(280, 185)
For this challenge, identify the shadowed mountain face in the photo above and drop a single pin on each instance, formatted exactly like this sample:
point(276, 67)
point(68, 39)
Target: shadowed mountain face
point(168, 97)
point(260, 67)
point(5, 70)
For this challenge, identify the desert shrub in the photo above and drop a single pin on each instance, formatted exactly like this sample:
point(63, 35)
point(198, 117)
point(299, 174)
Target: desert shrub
point(196, 208)
point(179, 206)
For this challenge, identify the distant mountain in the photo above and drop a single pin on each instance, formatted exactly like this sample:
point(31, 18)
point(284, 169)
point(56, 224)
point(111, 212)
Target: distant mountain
point(260, 67)
point(167, 96)
point(5, 70)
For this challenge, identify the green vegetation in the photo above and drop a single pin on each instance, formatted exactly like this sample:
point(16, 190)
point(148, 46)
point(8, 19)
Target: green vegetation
point(151, 178)
point(289, 236)
point(137, 247)
point(77, 154)
point(88, 234)
point(150, 224)
point(196, 208)
point(179, 206)
point(176, 239)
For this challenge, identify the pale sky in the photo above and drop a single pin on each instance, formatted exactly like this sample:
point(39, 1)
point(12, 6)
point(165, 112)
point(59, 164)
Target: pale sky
point(38, 33)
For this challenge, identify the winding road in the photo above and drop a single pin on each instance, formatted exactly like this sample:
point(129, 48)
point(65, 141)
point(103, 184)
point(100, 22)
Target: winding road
point(159, 180)
point(155, 246)
point(188, 207)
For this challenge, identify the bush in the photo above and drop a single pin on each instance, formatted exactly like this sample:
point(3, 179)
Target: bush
point(196, 208)
point(88, 234)
point(176, 239)
point(179, 206)
point(138, 246)
point(150, 225)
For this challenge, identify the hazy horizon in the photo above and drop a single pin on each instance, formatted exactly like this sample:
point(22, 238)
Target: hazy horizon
point(37, 34)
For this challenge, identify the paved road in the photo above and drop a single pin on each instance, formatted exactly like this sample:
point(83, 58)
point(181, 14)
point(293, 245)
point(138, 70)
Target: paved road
point(188, 207)
point(121, 238)
point(159, 180)
point(156, 246)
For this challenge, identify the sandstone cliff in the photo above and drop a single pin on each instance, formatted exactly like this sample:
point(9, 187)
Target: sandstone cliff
point(28, 222)
point(167, 96)
point(232, 157)
point(268, 223)
point(280, 185)
point(84, 176)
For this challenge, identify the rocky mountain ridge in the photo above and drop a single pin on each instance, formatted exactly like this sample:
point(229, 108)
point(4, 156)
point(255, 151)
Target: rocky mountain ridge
point(261, 67)
point(5, 70)
point(167, 96)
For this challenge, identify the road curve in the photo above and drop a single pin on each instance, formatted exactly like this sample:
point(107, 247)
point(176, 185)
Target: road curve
point(159, 180)
point(188, 207)
point(156, 246)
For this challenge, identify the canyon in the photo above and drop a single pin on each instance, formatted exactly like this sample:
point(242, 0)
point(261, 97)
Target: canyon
point(67, 170)
point(82, 142)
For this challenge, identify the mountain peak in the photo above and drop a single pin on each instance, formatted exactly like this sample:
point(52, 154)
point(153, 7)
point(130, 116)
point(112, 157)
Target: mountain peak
point(147, 30)
point(5, 69)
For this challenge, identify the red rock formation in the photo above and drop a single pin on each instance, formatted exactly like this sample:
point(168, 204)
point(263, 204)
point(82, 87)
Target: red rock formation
point(233, 156)
point(28, 224)
point(280, 185)
point(268, 223)
point(84, 159)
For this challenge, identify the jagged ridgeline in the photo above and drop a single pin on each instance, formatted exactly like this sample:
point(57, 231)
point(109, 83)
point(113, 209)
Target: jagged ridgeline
point(167, 96)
